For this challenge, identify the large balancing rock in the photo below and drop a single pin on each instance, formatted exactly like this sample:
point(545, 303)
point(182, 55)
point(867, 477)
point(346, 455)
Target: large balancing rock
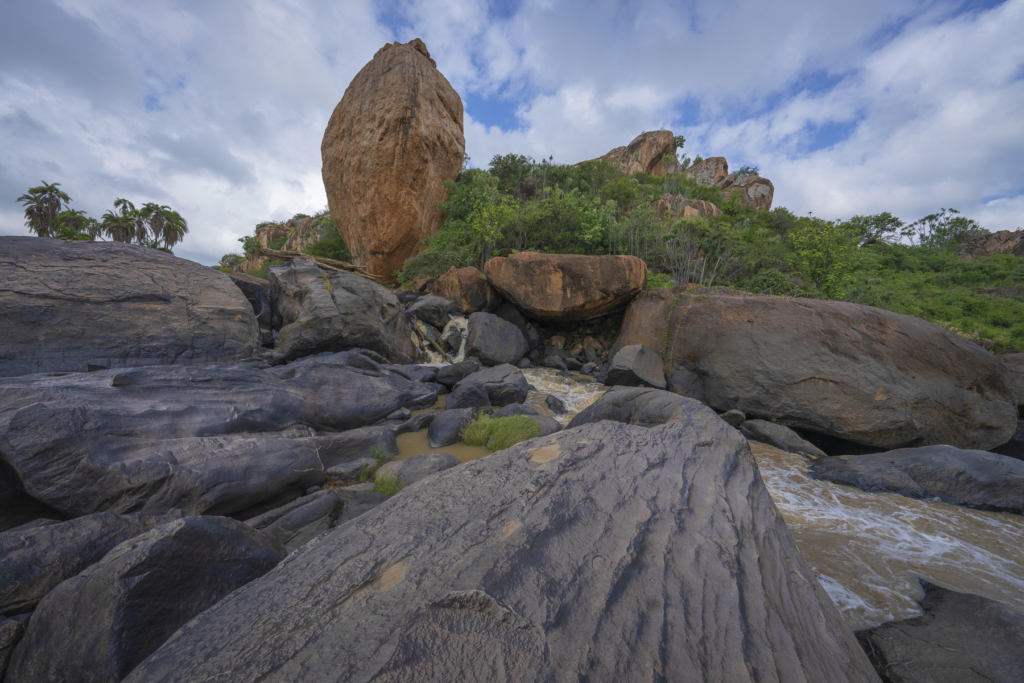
point(856, 372)
point(567, 286)
point(71, 306)
point(95, 627)
point(602, 553)
point(392, 141)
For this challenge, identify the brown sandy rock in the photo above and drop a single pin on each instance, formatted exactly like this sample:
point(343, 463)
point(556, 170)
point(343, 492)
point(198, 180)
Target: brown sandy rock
point(677, 206)
point(749, 190)
point(468, 289)
point(710, 171)
point(646, 154)
point(567, 286)
point(850, 371)
point(392, 141)
point(1002, 242)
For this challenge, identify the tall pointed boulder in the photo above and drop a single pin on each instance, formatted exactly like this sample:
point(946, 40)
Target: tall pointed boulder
point(392, 141)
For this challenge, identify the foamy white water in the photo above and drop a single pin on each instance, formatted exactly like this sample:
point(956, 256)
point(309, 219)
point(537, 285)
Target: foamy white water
point(577, 392)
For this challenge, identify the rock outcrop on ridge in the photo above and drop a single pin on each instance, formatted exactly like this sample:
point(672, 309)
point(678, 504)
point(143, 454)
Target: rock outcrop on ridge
point(602, 553)
point(76, 306)
point(1000, 242)
point(392, 141)
point(651, 152)
point(858, 373)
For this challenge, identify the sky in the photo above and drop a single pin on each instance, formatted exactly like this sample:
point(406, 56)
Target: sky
point(217, 109)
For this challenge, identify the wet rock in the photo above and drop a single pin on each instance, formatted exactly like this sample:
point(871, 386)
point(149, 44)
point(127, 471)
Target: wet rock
point(566, 287)
point(636, 406)
point(733, 417)
point(71, 306)
point(415, 373)
point(419, 467)
point(396, 133)
point(407, 297)
point(858, 373)
point(359, 504)
point(33, 561)
point(548, 425)
point(297, 523)
point(524, 364)
point(976, 479)
point(573, 364)
point(504, 383)
point(636, 366)
point(469, 393)
point(452, 340)
point(401, 414)
point(347, 471)
point(432, 310)
point(779, 436)
point(494, 341)
point(447, 426)
point(463, 577)
point(98, 625)
point(589, 369)
point(554, 362)
point(961, 638)
point(1013, 448)
point(202, 440)
point(450, 375)
point(468, 290)
point(651, 152)
point(11, 631)
point(555, 404)
point(337, 311)
point(514, 409)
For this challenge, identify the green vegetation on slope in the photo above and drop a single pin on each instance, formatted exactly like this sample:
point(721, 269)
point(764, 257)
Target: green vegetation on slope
point(594, 208)
point(497, 434)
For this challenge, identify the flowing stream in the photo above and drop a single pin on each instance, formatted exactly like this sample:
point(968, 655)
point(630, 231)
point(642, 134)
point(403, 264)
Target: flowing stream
point(868, 549)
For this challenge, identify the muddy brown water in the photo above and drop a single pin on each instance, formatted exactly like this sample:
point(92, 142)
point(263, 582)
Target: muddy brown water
point(868, 549)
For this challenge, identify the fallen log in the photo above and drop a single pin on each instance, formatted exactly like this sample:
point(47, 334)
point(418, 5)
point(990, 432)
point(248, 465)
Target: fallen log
point(325, 263)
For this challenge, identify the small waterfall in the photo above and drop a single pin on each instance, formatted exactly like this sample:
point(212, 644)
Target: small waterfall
point(432, 348)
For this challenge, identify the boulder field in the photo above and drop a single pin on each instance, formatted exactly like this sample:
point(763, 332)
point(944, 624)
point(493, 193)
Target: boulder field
point(392, 141)
point(849, 371)
point(79, 306)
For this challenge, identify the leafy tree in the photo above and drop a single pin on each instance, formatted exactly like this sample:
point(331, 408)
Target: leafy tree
point(943, 228)
point(680, 141)
point(163, 224)
point(748, 170)
point(511, 170)
point(42, 205)
point(824, 251)
point(231, 261)
point(881, 227)
point(72, 224)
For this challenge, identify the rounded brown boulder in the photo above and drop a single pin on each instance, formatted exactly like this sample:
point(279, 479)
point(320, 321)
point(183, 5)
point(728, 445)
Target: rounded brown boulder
point(392, 141)
point(855, 372)
point(567, 286)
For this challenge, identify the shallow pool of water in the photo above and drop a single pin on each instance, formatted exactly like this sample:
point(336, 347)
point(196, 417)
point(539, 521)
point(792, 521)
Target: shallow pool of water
point(869, 549)
point(577, 392)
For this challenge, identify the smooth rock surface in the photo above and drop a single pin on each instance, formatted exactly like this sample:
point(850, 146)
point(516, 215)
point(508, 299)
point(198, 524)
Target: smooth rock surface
point(961, 638)
point(651, 152)
point(636, 366)
point(447, 427)
point(97, 626)
point(469, 393)
point(432, 310)
point(505, 384)
point(450, 375)
point(855, 372)
point(976, 479)
point(34, 561)
point(494, 341)
point(412, 470)
point(467, 289)
point(779, 436)
point(636, 406)
point(198, 440)
point(675, 561)
point(335, 311)
point(295, 524)
point(72, 306)
point(393, 140)
point(567, 286)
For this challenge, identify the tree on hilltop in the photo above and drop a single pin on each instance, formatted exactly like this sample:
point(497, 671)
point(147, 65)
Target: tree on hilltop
point(42, 205)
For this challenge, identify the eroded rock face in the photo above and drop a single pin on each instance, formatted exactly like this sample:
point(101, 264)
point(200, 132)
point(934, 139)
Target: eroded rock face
point(976, 479)
point(95, 627)
point(961, 638)
point(675, 561)
point(677, 206)
point(214, 440)
point(710, 171)
point(467, 288)
point(1001, 242)
point(334, 311)
point(750, 190)
point(567, 286)
point(392, 141)
point(859, 373)
point(653, 152)
point(74, 306)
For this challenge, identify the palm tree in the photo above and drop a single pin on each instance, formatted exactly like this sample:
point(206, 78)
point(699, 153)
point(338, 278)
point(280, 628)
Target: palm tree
point(73, 224)
point(165, 224)
point(42, 204)
point(118, 227)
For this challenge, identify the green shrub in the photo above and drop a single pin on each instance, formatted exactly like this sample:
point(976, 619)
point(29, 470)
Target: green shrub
point(330, 245)
point(277, 244)
point(388, 484)
point(659, 281)
point(770, 281)
point(497, 434)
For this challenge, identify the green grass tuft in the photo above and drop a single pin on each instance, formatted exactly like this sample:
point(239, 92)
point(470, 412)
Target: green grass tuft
point(501, 433)
point(388, 484)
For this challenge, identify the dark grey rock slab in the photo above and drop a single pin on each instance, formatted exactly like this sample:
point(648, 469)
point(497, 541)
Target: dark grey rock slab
point(350, 470)
point(734, 417)
point(447, 426)
point(450, 375)
point(977, 479)
point(295, 524)
point(70, 306)
point(469, 393)
point(961, 638)
point(98, 625)
point(637, 406)
point(636, 366)
point(779, 436)
point(604, 553)
point(34, 561)
point(432, 310)
point(354, 444)
point(556, 404)
point(514, 409)
point(494, 341)
point(504, 383)
point(359, 504)
point(412, 470)
point(11, 631)
point(416, 373)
